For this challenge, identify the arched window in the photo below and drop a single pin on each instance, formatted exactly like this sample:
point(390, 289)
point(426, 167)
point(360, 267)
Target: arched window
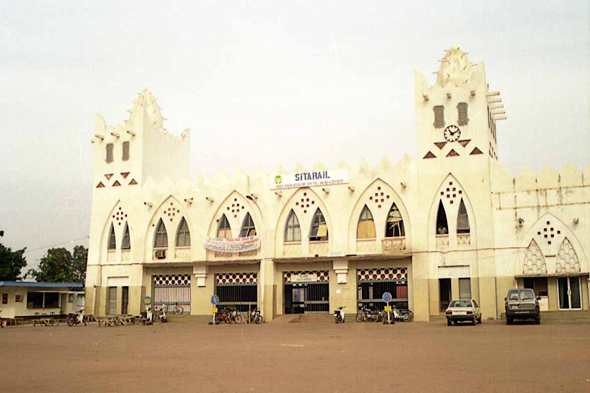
point(183, 237)
point(161, 236)
point(319, 228)
point(126, 243)
point(112, 239)
point(366, 226)
point(442, 227)
point(224, 229)
point(292, 229)
point(462, 219)
point(395, 223)
point(248, 228)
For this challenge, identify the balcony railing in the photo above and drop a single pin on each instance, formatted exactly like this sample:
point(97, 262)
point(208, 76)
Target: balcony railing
point(394, 245)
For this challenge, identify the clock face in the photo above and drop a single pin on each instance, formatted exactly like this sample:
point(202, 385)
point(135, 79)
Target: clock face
point(452, 133)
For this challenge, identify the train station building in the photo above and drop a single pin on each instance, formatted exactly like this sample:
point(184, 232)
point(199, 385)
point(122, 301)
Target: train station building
point(453, 223)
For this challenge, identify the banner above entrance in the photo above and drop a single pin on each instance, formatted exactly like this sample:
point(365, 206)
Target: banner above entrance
point(309, 179)
point(239, 244)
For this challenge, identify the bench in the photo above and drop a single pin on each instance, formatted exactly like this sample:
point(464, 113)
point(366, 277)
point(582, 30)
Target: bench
point(107, 321)
point(45, 322)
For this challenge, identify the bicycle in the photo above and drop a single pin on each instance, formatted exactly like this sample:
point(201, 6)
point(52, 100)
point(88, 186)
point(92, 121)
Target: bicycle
point(177, 309)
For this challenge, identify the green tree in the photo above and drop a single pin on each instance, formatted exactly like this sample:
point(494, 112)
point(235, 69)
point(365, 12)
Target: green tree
point(11, 263)
point(59, 265)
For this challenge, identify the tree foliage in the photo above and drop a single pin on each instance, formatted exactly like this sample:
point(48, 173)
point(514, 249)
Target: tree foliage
point(59, 265)
point(11, 263)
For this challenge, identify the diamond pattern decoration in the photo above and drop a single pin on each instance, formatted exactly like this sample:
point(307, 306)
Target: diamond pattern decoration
point(305, 203)
point(170, 211)
point(322, 275)
point(548, 233)
point(534, 261)
point(172, 280)
point(378, 197)
point(567, 259)
point(237, 278)
point(119, 216)
point(451, 191)
point(234, 207)
point(382, 274)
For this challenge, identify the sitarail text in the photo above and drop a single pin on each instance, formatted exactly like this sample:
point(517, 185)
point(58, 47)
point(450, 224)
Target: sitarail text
point(311, 176)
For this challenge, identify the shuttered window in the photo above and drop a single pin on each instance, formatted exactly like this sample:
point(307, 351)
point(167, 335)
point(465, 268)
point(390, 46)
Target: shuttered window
point(248, 228)
point(183, 237)
point(439, 116)
point(161, 236)
point(112, 239)
point(224, 229)
point(319, 228)
point(464, 288)
point(395, 223)
point(292, 228)
point(463, 118)
point(366, 225)
point(125, 151)
point(110, 147)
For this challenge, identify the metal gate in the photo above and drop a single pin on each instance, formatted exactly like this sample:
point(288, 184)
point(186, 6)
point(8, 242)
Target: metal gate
point(171, 290)
point(373, 283)
point(112, 301)
point(307, 292)
point(237, 290)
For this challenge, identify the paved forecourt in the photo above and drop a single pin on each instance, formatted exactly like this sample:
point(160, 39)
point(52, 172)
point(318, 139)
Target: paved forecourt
point(309, 356)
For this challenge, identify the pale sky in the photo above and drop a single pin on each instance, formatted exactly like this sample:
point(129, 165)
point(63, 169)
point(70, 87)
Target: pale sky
point(263, 84)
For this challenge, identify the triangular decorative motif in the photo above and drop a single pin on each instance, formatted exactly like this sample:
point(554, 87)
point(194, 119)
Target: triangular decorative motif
point(452, 153)
point(429, 155)
point(534, 261)
point(116, 184)
point(475, 151)
point(567, 259)
point(124, 174)
point(108, 176)
point(440, 145)
point(100, 185)
point(132, 182)
point(464, 142)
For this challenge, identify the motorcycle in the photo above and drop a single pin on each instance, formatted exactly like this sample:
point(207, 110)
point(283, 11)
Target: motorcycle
point(161, 314)
point(339, 315)
point(256, 316)
point(402, 315)
point(368, 313)
point(76, 318)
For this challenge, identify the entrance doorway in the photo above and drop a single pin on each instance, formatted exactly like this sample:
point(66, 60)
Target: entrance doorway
point(307, 292)
point(444, 285)
point(125, 300)
point(570, 294)
point(112, 301)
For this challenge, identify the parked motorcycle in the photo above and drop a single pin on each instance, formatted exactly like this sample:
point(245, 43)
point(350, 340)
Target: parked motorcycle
point(161, 314)
point(76, 318)
point(256, 316)
point(369, 313)
point(339, 315)
point(402, 314)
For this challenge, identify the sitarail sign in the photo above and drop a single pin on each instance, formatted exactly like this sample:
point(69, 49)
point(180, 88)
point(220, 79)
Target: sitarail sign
point(309, 179)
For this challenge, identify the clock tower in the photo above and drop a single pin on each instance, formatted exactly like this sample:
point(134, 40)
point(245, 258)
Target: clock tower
point(456, 117)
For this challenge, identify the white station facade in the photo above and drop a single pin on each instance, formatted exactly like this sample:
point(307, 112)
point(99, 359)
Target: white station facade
point(452, 224)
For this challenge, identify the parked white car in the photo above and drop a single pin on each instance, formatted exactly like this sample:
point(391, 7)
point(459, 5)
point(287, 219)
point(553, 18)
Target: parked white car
point(463, 310)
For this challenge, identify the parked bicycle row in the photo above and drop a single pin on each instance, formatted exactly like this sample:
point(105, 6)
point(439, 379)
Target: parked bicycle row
point(372, 314)
point(231, 315)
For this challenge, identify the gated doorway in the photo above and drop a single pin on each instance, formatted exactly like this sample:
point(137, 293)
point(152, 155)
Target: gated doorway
point(237, 290)
point(172, 289)
point(373, 283)
point(307, 292)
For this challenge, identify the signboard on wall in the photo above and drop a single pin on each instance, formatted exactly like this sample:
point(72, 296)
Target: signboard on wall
point(304, 277)
point(309, 179)
point(238, 244)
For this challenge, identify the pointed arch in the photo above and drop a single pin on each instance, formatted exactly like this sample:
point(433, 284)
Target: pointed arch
point(534, 261)
point(235, 207)
point(319, 227)
point(224, 228)
point(126, 242)
point(183, 235)
point(567, 258)
point(442, 225)
point(112, 244)
point(248, 227)
point(366, 225)
point(161, 235)
point(292, 228)
point(394, 226)
point(462, 219)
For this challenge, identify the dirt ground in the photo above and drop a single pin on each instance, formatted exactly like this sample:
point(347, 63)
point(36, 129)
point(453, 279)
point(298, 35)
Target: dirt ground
point(188, 355)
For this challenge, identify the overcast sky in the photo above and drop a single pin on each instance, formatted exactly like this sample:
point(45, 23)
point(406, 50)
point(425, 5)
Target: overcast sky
point(263, 84)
